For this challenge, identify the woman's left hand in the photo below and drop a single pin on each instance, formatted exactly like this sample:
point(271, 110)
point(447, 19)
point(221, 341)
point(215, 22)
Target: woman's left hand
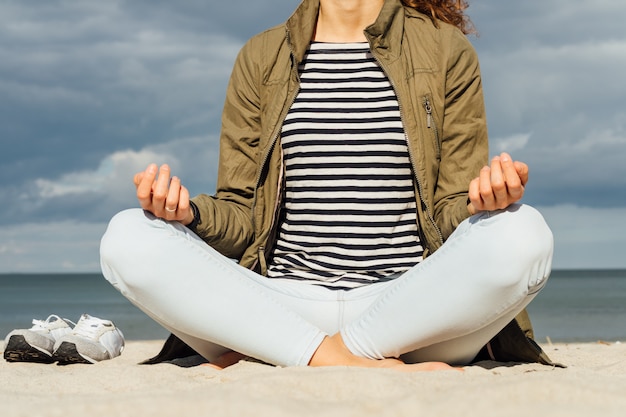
point(499, 185)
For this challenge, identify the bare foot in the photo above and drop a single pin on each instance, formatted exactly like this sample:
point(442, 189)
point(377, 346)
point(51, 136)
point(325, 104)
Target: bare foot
point(333, 352)
point(226, 360)
point(425, 366)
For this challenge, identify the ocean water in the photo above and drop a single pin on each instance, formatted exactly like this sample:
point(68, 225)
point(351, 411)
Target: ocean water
point(27, 296)
point(575, 306)
point(584, 306)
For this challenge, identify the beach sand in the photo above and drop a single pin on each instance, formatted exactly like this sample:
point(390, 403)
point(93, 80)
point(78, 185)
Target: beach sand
point(594, 384)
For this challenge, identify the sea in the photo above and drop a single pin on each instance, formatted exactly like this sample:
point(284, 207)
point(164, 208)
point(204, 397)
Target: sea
point(575, 305)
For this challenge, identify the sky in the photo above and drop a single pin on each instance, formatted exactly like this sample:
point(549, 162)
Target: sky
point(92, 91)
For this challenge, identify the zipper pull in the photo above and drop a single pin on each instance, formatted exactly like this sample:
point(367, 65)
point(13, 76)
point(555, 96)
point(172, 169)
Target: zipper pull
point(429, 112)
point(262, 260)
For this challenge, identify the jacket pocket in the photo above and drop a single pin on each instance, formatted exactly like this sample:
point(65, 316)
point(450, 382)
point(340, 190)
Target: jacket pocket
point(432, 123)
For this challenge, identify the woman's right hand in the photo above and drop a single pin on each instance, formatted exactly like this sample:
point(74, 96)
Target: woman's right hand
point(498, 185)
point(163, 196)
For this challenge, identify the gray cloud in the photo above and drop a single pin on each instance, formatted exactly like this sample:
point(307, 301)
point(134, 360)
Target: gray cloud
point(82, 79)
point(554, 75)
point(586, 237)
point(66, 246)
point(96, 194)
point(92, 91)
point(506, 26)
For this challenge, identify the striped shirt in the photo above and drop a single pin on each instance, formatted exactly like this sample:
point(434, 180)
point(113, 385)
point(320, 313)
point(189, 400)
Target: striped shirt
point(349, 215)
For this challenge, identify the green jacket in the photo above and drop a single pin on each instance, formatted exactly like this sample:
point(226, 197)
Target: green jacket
point(436, 77)
point(435, 74)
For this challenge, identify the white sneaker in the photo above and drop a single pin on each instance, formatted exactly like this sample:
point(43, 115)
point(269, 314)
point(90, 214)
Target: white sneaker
point(37, 343)
point(92, 340)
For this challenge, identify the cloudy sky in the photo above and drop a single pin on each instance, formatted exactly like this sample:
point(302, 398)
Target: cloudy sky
point(91, 91)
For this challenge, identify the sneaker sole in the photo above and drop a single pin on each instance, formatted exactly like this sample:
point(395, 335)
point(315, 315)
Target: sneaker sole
point(19, 350)
point(67, 354)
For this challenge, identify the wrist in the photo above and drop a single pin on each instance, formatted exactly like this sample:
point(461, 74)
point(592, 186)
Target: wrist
point(193, 219)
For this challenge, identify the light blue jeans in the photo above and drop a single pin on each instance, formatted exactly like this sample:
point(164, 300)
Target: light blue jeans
point(444, 309)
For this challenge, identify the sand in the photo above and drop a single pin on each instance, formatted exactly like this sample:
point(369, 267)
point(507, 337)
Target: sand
point(594, 384)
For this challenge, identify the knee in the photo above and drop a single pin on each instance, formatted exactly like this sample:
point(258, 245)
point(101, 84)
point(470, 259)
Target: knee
point(118, 239)
point(531, 230)
point(531, 244)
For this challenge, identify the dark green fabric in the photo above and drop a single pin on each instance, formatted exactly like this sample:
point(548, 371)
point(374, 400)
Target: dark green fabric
point(172, 349)
point(515, 343)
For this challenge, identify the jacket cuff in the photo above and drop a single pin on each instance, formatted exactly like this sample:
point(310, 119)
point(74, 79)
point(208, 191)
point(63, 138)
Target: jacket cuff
point(196, 217)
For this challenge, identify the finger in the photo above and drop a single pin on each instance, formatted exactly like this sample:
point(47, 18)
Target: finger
point(498, 183)
point(473, 194)
point(514, 186)
point(160, 190)
point(144, 188)
point(138, 177)
point(485, 189)
point(522, 171)
point(511, 175)
point(183, 200)
point(173, 195)
point(185, 213)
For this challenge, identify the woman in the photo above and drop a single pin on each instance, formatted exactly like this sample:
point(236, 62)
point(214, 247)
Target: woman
point(353, 146)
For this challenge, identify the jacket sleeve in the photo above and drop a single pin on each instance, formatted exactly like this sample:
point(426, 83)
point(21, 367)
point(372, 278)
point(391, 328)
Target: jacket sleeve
point(226, 218)
point(464, 141)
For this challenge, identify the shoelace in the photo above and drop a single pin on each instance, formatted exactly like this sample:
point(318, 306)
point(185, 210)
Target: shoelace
point(89, 328)
point(45, 324)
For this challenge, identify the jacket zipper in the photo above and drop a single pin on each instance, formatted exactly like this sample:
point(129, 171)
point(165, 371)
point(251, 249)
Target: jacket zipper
point(261, 251)
point(262, 260)
point(411, 158)
point(430, 122)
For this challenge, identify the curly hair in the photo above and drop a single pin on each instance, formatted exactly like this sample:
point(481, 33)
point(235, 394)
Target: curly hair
point(448, 11)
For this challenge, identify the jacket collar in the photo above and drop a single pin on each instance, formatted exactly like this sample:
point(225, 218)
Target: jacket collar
point(385, 33)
